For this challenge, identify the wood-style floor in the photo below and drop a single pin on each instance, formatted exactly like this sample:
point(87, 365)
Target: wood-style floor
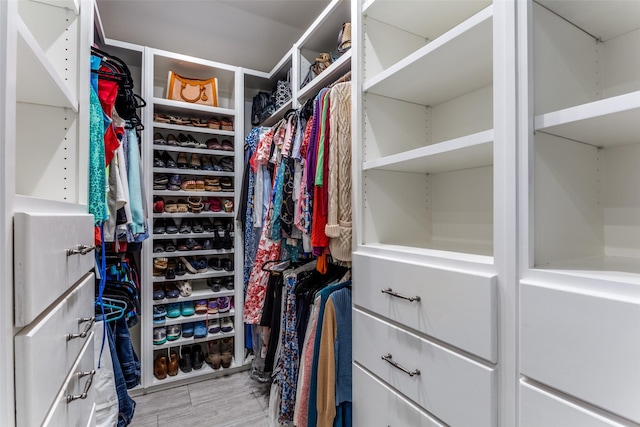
point(231, 401)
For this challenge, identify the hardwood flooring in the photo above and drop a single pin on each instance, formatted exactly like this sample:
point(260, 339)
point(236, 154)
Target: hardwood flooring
point(230, 401)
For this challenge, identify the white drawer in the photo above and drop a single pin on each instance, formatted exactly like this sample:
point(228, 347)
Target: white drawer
point(540, 408)
point(44, 355)
point(455, 307)
point(43, 271)
point(455, 389)
point(374, 404)
point(585, 345)
point(71, 407)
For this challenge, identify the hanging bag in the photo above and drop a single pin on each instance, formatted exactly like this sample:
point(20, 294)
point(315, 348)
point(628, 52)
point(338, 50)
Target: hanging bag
point(194, 91)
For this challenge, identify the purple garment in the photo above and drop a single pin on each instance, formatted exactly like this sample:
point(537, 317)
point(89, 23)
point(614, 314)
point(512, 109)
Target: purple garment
point(313, 142)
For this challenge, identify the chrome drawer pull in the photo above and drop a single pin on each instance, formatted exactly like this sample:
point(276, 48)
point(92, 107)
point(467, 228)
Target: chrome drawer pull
point(389, 291)
point(84, 333)
point(87, 386)
point(387, 358)
point(81, 250)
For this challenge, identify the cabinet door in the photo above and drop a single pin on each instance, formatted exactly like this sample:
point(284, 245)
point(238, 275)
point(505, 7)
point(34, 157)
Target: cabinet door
point(585, 345)
point(456, 307)
point(439, 380)
point(45, 352)
point(44, 270)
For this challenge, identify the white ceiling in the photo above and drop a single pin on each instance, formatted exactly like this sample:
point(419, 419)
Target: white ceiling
point(248, 33)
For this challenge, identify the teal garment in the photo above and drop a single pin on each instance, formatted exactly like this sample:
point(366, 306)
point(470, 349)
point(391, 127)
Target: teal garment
point(97, 168)
point(135, 185)
point(277, 202)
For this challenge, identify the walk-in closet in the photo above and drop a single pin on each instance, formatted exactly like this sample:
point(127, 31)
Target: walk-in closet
point(320, 213)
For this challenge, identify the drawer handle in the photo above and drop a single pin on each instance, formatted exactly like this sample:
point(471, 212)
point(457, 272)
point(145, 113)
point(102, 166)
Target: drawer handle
point(389, 291)
point(84, 333)
point(387, 358)
point(80, 250)
point(87, 386)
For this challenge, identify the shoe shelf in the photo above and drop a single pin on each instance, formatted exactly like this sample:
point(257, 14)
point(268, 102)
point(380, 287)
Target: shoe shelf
point(185, 194)
point(193, 150)
point(277, 115)
point(192, 276)
point(169, 106)
point(328, 76)
point(584, 216)
point(192, 253)
point(456, 63)
point(204, 214)
point(191, 340)
point(204, 235)
point(191, 172)
point(193, 129)
point(197, 294)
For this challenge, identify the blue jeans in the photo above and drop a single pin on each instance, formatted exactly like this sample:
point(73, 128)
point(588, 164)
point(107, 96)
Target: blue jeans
point(126, 404)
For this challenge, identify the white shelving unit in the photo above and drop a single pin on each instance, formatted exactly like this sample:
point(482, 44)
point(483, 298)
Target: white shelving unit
point(580, 212)
point(157, 66)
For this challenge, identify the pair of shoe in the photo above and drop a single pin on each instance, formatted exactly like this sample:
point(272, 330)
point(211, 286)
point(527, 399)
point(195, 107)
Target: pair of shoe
point(162, 226)
point(192, 357)
point(224, 325)
point(216, 283)
point(221, 264)
point(177, 309)
point(220, 352)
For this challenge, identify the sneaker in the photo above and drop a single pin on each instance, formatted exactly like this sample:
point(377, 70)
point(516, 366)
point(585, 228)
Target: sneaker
point(173, 310)
point(188, 309)
point(159, 335)
point(223, 304)
point(212, 306)
point(159, 314)
point(187, 330)
point(226, 325)
point(173, 332)
point(200, 329)
point(214, 326)
point(201, 306)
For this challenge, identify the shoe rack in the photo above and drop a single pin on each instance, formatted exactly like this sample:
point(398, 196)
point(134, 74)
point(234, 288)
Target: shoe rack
point(192, 322)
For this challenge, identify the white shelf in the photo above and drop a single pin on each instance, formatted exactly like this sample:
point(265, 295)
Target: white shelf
point(180, 107)
point(175, 254)
point(328, 76)
point(461, 153)
point(322, 34)
point(203, 214)
point(428, 19)
point(481, 254)
point(187, 236)
point(196, 295)
point(196, 317)
point(193, 129)
point(44, 85)
point(458, 62)
point(607, 123)
point(189, 341)
point(193, 150)
point(195, 373)
point(610, 268)
point(189, 276)
point(71, 5)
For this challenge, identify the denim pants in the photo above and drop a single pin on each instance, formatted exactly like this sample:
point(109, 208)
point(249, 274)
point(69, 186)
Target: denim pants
point(126, 404)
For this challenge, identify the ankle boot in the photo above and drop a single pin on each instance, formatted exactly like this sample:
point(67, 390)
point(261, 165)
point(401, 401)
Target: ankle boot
point(185, 360)
point(160, 367)
point(213, 354)
point(197, 357)
point(172, 368)
point(227, 351)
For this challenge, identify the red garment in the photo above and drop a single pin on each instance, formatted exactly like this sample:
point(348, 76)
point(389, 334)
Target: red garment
point(107, 93)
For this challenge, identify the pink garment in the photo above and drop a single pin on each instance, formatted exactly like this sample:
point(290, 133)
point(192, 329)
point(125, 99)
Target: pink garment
point(301, 419)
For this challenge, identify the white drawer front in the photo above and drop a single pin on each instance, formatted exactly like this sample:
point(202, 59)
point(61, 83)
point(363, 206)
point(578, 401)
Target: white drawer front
point(540, 408)
point(584, 345)
point(456, 390)
point(44, 355)
point(71, 408)
point(455, 307)
point(375, 405)
point(43, 271)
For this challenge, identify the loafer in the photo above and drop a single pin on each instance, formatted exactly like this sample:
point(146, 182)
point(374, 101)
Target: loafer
point(185, 359)
point(159, 335)
point(173, 332)
point(200, 329)
point(173, 310)
point(187, 330)
point(187, 308)
point(160, 367)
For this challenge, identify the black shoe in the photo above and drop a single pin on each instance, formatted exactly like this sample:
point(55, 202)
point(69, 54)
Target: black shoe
point(214, 263)
point(228, 283)
point(181, 270)
point(217, 240)
point(227, 264)
point(170, 226)
point(185, 359)
point(214, 283)
point(197, 357)
point(207, 244)
point(170, 274)
point(227, 242)
point(158, 226)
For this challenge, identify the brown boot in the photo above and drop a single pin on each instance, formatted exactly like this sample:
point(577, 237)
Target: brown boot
point(160, 367)
point(172, 368)
point(227, 351)
point(213, 354)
